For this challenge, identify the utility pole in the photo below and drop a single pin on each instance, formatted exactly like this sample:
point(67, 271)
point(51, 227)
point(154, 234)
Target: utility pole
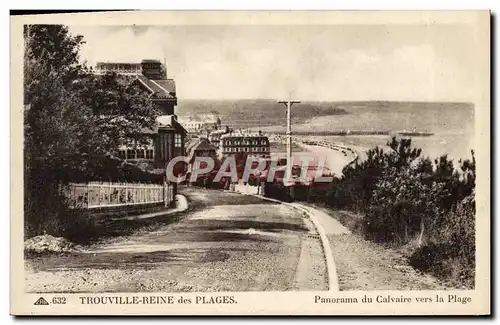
point(288, 104)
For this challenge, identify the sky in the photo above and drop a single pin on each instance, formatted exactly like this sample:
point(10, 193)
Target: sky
point(325, 62)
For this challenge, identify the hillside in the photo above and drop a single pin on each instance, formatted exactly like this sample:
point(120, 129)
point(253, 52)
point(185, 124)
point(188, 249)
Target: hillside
point(267, 112)
point(262, 112)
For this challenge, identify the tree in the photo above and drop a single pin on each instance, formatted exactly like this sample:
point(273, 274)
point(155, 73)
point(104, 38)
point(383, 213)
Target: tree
point(72, 117)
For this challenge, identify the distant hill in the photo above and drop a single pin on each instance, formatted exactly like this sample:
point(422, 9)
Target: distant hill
point(267, 112)
point(250, 112)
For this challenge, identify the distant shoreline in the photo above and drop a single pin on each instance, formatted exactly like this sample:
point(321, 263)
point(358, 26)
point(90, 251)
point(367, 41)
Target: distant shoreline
point(358, 132)
point(328, 101)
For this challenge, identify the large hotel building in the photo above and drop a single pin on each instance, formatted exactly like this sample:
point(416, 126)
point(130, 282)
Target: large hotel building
point(253, 145)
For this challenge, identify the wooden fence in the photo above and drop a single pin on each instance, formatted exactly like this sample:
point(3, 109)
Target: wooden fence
point(101, 195)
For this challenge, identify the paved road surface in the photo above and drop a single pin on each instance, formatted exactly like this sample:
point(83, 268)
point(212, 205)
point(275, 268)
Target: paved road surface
point(223, 242)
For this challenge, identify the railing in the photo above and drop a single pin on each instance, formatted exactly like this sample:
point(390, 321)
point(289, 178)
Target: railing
point(131, 72)
point(100, 195)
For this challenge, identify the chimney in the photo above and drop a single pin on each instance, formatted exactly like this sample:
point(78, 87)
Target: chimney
point(164, 67)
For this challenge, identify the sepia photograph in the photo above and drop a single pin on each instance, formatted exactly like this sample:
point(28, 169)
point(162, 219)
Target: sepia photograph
point(334, 158)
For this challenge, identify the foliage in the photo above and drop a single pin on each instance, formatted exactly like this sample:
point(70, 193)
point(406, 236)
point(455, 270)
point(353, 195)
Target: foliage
point(402, 206)
point(451, 253)
point(406, 199)
point(71, 117)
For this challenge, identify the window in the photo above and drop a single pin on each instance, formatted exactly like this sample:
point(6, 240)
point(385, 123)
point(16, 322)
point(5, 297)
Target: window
point(246, 149)
point(150, 154)
point(130, 154)
point(178, 141)
point(140, 154)
point(122, 154)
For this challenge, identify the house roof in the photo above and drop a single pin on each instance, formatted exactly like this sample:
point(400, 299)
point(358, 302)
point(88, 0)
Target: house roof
point(102, 64)
point(150, 61)
point(244, 136)
point(161, 89)
point(167, 84)
point(169, 122)
point(165, 122)
point(204, 145)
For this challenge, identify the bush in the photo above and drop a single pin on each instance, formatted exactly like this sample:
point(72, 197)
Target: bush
point(403, 206)
point(405, 198)
point(277, 191)
point(452, 252)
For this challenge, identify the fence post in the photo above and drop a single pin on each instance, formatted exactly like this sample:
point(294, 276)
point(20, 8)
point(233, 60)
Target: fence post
point(74, 197)
point(165, 193)
point(100, 193)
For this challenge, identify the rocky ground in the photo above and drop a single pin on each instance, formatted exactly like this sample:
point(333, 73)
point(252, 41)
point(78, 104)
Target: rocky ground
point(223, 242)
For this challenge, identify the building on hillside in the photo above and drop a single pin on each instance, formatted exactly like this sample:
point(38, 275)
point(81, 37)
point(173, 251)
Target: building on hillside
point(151, 75)
point(253, 145)
point(191, 124)
point(132, 69)
point(212, 121)
point(166, 140)
point(200, 123)
point(215, 136)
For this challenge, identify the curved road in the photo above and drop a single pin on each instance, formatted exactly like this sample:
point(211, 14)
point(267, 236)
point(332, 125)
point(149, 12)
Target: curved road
point(223, 242)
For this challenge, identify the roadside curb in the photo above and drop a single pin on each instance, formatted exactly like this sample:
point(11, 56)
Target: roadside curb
point(181, 206)
point(333, 283)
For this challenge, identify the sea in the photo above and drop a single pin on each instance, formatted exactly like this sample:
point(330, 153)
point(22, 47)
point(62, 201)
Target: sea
point(451, 123)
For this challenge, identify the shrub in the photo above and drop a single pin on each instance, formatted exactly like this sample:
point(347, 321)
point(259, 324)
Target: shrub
point(451, 253)
point(405, 198)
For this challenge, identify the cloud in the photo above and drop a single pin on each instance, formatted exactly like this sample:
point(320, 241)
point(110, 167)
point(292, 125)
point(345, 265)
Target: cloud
point(311, 63)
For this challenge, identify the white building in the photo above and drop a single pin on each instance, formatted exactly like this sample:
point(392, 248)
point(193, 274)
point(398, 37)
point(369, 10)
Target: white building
point(200, 123)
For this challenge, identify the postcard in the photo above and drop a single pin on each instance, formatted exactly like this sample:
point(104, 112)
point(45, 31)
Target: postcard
point(250, 163)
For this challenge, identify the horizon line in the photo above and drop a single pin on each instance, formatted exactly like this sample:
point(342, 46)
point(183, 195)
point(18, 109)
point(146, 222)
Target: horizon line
point(334, 100)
